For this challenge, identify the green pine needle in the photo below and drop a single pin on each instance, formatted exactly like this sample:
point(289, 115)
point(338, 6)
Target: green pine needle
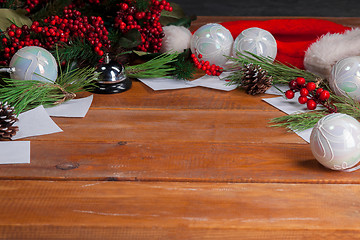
point(78, 51)
point(160, 66)
point(184, 68)
point(24, 95)
point(142, 5)
point(299, 121)
point(281, 73)
point(346, 105)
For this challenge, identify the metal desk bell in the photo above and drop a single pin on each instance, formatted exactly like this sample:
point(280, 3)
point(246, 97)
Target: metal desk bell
point(112, 78)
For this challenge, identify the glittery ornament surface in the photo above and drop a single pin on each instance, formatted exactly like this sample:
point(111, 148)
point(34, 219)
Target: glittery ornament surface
point(213, 42)
point(34, 63)
point(345, 77)
point(257, 41)
point(335, 141)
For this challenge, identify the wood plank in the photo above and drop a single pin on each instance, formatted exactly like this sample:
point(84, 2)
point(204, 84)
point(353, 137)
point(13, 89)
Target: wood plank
point(123, 210)
point(166, 161)
point(141, 96)
point(102, 125)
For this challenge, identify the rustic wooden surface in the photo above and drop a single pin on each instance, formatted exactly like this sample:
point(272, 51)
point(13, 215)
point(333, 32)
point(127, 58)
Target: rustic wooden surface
point(184, 164)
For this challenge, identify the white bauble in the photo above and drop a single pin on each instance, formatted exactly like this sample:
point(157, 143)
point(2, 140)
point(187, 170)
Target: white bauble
point(34, 63)
point(177, 38)
point(335, 141)
point(345, 77)
point(213, 42)
point(257, 41)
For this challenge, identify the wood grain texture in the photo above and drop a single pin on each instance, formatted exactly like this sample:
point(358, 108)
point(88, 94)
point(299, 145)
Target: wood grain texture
point(141, 96)
point(174, 161)
point(183, 164)
point(129, 210)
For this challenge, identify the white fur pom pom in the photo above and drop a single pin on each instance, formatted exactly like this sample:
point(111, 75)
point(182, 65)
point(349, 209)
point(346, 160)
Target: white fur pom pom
point(177, 38)
point(330, 48)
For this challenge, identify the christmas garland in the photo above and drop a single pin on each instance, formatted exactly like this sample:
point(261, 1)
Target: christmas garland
point(256, 74)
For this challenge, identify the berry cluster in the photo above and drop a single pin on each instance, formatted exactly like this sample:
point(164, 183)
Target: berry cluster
point(205, 65)
point(309, 94)
point(75, 25)
point(19, 37)
point(55, 29)
point(146, 22)
point(30, 4)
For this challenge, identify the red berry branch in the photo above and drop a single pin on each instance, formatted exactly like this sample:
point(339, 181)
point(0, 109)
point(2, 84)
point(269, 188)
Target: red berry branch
point(205, 65)
point(310, 94)
point(56, 29)
point(146, 22)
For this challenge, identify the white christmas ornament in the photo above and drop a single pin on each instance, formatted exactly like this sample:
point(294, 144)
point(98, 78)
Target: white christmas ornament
point(345, 77)
point(257, 41)
point(34, 63)
point(177, 38)
point(213, 42)
point(335, 141)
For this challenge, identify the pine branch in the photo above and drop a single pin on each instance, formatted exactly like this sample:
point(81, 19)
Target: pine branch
point(78, 51)
point(280, 72)
point(184, 68)
point(160, 66)
point(27, 94)
point(52, 8)
point(142, 5)
point(300, 121)
point(346, 105)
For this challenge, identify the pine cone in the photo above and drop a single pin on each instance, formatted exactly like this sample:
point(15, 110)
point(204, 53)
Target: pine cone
point(7, 119)
point(255, 80)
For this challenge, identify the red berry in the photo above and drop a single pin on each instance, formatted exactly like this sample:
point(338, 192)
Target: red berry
point(11, 33)
point(292, 84)
point(304, 92)
point(324, 95)
point(319, 91)
point(289, 94)
point(200, 56)
point(311, 104)
point(310, 86)
point(302, 100)
point(300, 81)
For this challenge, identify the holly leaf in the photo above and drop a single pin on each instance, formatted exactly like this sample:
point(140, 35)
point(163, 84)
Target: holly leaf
point(130, 40)
point(10, 16)
point(169, 17)
point(185, 21)
point(146, 55)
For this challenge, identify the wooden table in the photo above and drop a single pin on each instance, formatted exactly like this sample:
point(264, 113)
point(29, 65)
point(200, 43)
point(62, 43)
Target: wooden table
point(184, 164)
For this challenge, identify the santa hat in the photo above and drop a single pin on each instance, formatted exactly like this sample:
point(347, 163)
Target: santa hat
point(293, 36)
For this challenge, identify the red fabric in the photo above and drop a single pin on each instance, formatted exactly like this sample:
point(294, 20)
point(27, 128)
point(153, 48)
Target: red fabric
point(293, 36)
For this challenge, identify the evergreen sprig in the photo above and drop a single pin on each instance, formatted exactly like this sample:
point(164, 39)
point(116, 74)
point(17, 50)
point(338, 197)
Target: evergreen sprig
point(184, 68)
point(280, 72)
point(24, 95)
point(299, 121)
point(78, 51)
point(51, 8)
point(160, 66)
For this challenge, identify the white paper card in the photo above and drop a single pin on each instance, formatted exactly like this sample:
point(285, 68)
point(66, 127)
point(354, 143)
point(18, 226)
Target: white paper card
point(305, 134)
point(157, 84)
point(288, 106)
point(34, 123)
point(71, 108)
point(214, 82)
point(14, 152)
point(275, 89)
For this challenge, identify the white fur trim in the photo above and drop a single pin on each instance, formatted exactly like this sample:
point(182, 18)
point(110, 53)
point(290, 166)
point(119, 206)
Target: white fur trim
point(177, 38)
point(330, 48)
